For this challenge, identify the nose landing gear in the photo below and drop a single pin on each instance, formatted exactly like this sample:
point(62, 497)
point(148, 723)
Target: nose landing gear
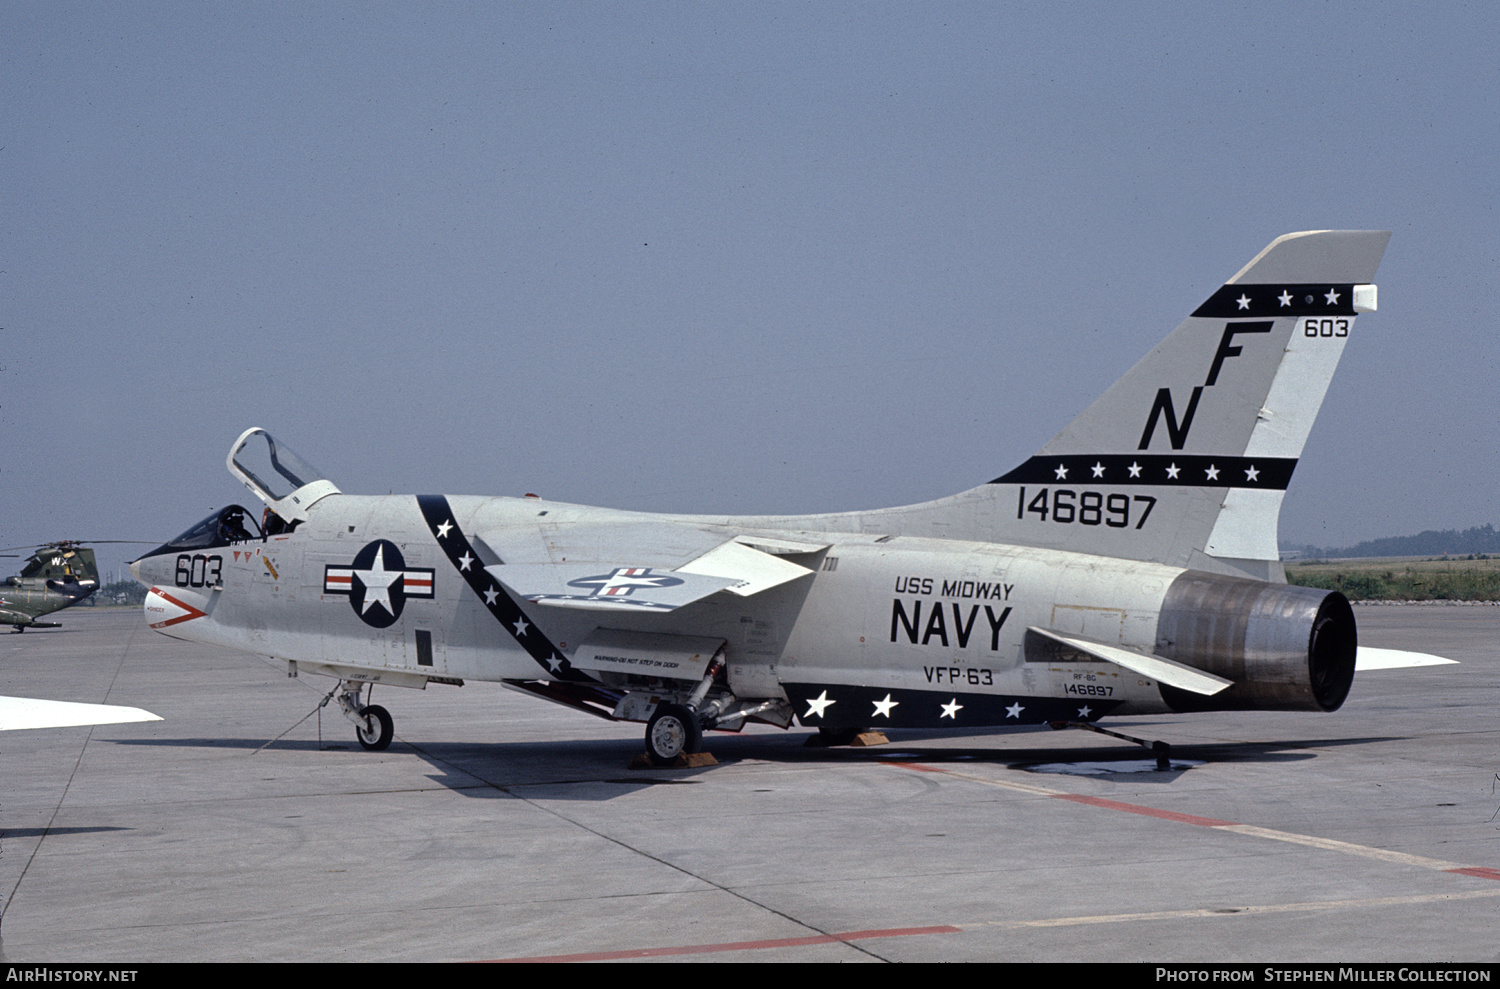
point(372, 723)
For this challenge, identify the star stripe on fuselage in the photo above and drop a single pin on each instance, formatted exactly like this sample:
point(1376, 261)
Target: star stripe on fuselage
point(492, 594)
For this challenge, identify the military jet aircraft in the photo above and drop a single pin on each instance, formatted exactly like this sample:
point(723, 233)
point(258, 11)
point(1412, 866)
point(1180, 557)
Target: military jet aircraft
point(56, 576)
point(1129, 567)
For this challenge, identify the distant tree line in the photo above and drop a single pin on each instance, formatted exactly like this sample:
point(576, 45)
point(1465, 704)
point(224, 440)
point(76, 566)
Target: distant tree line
point(1482, 539)
point(1372, 582)
point(119, 592)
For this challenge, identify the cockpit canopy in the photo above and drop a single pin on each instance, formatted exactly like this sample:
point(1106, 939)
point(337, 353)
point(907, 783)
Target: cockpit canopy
point(222, 528)
point(287, 484)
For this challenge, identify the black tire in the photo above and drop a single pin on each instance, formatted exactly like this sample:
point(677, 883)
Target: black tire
point(376, 733)
point(672, 731)
point(828, 737)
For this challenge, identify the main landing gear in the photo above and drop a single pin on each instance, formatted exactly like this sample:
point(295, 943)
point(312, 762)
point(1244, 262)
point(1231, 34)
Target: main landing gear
point(372, 723)
point(672, 731)
point(677, 729)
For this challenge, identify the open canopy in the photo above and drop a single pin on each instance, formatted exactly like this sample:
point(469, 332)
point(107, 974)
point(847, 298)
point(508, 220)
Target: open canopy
point(288, 484)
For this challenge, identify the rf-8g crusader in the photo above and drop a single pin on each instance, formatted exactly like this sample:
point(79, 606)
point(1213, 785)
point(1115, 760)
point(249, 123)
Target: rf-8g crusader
point(1129, 567)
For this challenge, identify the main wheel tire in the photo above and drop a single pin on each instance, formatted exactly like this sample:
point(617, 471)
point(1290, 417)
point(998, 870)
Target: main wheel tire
point(376, 732)
point(828, 737)
point(672, 730)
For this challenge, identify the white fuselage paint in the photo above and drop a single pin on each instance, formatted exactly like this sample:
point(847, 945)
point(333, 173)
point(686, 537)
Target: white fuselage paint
point(910, 613)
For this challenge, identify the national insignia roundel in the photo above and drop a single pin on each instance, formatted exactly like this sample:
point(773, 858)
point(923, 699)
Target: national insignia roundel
point(378, 583)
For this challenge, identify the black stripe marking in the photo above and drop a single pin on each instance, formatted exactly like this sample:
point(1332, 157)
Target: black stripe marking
point(1155, 469)
point(492, 594)
point(843, 705)
point(1237, 301)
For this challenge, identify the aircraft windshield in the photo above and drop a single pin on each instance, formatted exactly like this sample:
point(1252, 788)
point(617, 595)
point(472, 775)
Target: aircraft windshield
point(229, 525)
point(280, 478)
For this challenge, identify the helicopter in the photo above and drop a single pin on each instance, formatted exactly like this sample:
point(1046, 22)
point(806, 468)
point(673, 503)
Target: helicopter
point(56, 576)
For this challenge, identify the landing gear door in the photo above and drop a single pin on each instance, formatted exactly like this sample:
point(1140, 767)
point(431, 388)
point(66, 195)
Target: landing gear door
point(287, 484)
point(647, 654)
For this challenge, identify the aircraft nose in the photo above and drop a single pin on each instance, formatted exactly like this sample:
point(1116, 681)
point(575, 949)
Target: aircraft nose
point(135, 570)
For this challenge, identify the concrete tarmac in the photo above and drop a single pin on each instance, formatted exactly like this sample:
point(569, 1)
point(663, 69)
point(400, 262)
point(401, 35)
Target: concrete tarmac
point(498, 826)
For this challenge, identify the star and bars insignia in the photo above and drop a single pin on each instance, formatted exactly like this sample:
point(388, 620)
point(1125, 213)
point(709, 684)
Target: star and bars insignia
point(378, 583)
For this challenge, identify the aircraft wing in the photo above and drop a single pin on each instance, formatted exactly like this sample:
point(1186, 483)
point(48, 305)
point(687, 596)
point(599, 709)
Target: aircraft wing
point(648, 543)
point(1371, 658)
point(1167, 671)
point(26, 712)
point(744, 566)
point(592, 587)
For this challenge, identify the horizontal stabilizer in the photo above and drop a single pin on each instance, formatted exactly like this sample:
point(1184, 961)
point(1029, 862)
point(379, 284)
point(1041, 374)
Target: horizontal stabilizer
point(26, 712)
point(592, 587)
point(1370, 658)
point(1167, 671)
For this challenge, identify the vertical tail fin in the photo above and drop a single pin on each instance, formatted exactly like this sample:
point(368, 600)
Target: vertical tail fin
point(1186, 458)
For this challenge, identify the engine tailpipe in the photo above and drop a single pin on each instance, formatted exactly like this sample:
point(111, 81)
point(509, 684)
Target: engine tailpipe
point(1286, 648)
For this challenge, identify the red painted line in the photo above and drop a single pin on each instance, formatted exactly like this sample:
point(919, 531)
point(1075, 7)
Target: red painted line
point(1477, 871)
point(1166, 815)
point(700, 949)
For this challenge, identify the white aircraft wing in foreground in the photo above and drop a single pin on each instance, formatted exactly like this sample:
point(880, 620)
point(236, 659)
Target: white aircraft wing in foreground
point(27, 712)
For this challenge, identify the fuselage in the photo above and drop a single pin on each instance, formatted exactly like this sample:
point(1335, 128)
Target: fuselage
point(928, 622)
point(24, 599)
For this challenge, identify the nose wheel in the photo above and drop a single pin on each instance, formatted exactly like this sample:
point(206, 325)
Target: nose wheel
point(372, 723)
point(374, 728)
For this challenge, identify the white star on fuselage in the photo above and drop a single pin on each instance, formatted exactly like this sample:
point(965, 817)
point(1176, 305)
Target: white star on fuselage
point(490, 596)
point(1173, 471)
point(378, 581)
point(951, 709)
point(1062, 472)
point(1014, 711)
point(1244, 301)
point(1098, 470)
point(818, 705)
point(521, 627)
point(1251, 473)
point(1332, 297)
point(1135, 469)
point(1285, 298)
point(464, 561)
point(1212, 472)
point(442, 530)
point(883, 708)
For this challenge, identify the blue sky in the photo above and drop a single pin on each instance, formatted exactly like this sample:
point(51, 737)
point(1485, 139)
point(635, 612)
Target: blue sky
point(712, 257)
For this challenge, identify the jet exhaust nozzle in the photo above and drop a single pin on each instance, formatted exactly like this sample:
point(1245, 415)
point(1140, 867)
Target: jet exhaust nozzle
point(1286, 648)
